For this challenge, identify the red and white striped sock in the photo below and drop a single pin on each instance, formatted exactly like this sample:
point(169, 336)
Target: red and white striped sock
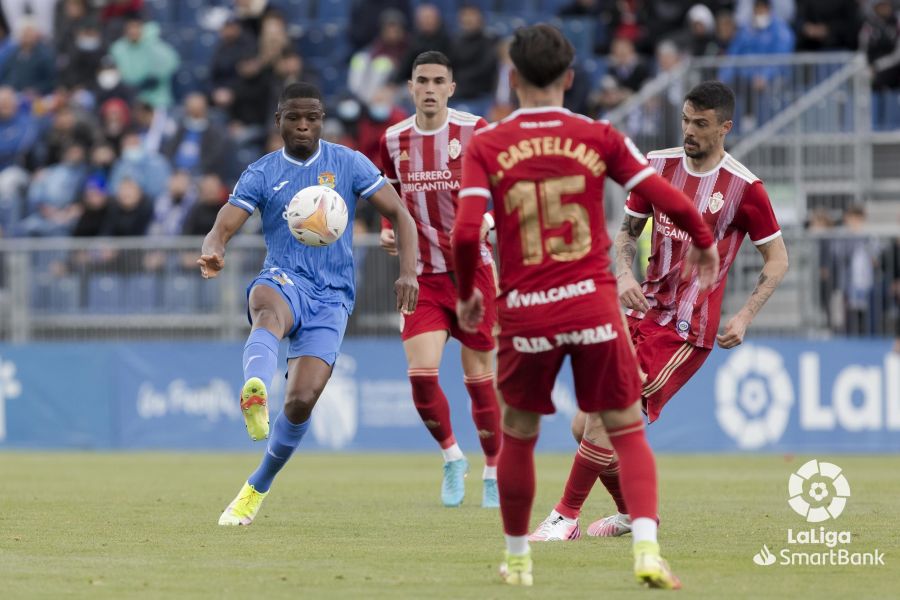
point(590, 461)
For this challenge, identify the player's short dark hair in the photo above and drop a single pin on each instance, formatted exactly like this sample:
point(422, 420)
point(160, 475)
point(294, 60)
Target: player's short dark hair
point(432, 57)
point(299, 90)
point(541, 54)
point(713, 95)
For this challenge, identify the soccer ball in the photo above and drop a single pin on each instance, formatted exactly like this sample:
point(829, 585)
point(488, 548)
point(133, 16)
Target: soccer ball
point(317, 216)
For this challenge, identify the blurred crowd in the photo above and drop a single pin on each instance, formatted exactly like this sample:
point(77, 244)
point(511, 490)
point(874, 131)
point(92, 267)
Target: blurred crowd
point(99, 138)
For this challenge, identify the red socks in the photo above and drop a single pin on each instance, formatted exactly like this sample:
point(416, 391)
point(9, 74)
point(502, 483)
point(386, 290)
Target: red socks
point(485, 414)
point(515, 481)
point(610, 479)
point(638, 470)
point(590, 462)
point(432, 404)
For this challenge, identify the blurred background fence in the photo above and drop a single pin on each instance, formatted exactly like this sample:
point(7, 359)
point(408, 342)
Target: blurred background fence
point(841, 281)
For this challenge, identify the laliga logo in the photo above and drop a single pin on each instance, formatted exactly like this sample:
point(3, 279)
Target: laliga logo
point(818, 491)
point(754, 396)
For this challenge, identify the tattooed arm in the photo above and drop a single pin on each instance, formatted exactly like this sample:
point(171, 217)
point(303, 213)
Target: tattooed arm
point(630, 294)
point(775, 266)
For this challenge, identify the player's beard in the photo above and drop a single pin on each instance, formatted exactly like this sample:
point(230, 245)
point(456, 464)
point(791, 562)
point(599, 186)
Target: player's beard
point(696, 151)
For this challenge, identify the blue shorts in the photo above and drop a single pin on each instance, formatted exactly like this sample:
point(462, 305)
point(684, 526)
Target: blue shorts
point(318, 327)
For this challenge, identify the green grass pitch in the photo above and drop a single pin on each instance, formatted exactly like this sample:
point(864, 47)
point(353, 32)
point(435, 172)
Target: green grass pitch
point(371, 526)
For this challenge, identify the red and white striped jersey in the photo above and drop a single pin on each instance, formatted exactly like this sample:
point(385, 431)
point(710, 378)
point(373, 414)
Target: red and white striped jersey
point(427, 168)
point(733, 202)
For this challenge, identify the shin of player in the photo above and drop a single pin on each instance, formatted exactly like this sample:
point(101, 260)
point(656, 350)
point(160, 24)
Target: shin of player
point(303, 293)
point(422, 156)
point(545, 168)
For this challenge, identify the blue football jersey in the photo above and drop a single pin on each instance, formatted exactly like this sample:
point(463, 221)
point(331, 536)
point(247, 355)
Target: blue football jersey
point(271, 182)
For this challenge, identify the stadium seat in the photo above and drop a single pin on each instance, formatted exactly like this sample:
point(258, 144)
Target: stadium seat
point(181, 293)
point(476, 106)
point(210, 296)
point(333, 10)
point(581, 33)
point(55, 295)
point(140, 293)
point(161, 11)
point(297, 12)
point(104, 294)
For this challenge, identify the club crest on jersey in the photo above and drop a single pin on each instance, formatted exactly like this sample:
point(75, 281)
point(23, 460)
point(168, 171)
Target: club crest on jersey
point(404, 155)
point(327, 179)
point(715, 202)
point(454, 148)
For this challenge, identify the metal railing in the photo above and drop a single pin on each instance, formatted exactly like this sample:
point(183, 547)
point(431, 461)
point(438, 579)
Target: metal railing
point(803, 124)
point(145, 288)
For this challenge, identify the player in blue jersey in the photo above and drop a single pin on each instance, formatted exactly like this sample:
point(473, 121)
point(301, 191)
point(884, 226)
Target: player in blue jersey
point(303, 293)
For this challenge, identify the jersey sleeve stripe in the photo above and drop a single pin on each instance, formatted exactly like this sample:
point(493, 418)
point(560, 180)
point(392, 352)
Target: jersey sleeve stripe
point(390, 180)
point(641, 175)
point(766, 239)
point(241, 204)
point(489, 219)
point(636, 214)
point(372, 188)
point(475, 191)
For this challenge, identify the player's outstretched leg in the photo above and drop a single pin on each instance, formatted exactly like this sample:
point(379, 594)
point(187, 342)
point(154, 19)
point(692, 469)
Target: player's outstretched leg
point(639, 486)
point(486, 416)
point(260, 362)
point(516, 480)
point(432, 405)
point(285, 438)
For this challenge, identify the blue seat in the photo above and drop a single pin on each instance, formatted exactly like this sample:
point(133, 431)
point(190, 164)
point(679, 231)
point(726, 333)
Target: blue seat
point(51, 295)
point(140, 293)
point(161, 11)
point(476, 106)
point(334, 10)
point(297, 12)
point(104, 294)
point(581, 33)
point(210, 297)
point(181, 293)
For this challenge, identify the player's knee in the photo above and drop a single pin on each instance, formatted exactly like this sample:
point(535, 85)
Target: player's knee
point(578, 422)
point(266, 317)
point(298, 404)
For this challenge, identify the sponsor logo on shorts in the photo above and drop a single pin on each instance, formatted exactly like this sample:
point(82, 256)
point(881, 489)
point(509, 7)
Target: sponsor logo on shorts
point(580, 337)
point(516, 299)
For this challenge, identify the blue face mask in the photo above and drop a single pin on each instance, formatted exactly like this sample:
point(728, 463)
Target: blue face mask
point(380, 112)
point(348, 110)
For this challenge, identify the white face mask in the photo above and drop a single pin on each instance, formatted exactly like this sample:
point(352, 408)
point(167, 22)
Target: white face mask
point(108, 79)
point(87, 43)
point(380, 112)
point(762, 21)
point(134, 153)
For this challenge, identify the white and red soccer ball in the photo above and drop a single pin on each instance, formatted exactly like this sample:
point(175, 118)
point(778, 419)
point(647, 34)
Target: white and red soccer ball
point(317, 216)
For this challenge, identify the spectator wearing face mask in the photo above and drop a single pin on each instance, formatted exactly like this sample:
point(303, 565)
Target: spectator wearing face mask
point(381, 113)
point(78, 66)
point(149, 169)
point(199, 145)
point(108, 83)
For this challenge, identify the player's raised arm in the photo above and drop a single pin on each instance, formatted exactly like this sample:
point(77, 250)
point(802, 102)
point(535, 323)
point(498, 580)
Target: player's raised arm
point(212, 255)
point(389, 204)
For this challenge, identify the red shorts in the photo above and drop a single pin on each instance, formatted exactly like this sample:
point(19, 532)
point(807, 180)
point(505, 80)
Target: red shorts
point(436, 310)
point(666, 358)
point(603, 366)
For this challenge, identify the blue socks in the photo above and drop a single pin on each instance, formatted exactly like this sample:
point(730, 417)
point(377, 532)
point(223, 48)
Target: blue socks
point(261, 356)
point(283, 439)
